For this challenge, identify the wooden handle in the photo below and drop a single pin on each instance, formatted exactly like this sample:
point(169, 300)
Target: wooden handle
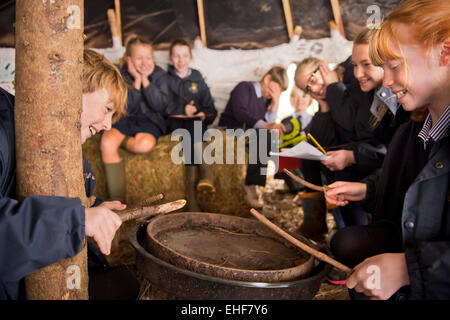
point(112, 22)
point(145, 212)
point(201, 21)
point(288, 17)
point(337, 16)
point(319, 255)
point(306, 183)
point(148, 201)
point(118, 20)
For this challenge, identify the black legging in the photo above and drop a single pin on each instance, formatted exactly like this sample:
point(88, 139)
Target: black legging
point(352, 245)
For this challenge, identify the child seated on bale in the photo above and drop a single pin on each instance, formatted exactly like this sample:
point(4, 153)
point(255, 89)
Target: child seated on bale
point(139, 130)
point(191, 104)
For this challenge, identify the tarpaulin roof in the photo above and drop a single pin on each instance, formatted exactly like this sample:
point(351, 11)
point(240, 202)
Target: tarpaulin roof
point(229, 23)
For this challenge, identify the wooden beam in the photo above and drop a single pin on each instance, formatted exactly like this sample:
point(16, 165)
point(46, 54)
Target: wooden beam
point(337, 16)
point(113, 26)
point(288, 17)
point(201, 21)
point(118, 20)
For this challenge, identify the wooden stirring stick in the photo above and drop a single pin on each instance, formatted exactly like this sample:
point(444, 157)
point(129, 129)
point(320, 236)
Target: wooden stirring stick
point(145, 212)
point(319, 255)
point(306, 183)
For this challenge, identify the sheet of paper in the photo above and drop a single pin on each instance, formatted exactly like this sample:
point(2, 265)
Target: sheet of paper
point(303, 150)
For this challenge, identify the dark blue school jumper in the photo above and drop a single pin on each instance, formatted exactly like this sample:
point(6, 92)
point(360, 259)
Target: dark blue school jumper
point(145, 107)
point(182, 91)
point(42, 230)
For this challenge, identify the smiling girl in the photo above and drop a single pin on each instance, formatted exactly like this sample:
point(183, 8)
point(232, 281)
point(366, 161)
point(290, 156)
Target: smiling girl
point(144, 123)
point(413, 48)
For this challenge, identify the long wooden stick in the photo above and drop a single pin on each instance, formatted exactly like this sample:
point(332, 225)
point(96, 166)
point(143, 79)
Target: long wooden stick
point(306, 183)
point(288, 17)
point(319, 255)
point(337, 16)
point(145, 212)
point(148, 201)
point(112, 22)
point(201, 21)
point(118, 20)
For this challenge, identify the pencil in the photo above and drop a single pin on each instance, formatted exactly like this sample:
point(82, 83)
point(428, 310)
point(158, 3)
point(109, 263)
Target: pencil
point(316, 143)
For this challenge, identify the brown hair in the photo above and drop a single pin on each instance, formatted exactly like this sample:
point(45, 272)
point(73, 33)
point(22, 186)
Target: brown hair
point(100, 73)
point(279, 75)
point(180, 42)
point(363, 37)
point(430, 22)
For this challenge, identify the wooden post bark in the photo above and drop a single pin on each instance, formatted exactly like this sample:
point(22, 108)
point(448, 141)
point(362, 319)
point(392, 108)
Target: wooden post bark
point(49, 57)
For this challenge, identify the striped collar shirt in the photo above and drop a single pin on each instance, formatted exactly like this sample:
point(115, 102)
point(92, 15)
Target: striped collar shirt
point(436, 132)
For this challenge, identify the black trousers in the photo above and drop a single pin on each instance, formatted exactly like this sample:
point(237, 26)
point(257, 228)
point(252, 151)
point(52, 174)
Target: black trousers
point(262, 142)
point(352, 245)
point(193, 154)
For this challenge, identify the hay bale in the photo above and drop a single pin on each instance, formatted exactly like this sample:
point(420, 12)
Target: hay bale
point(154, 173)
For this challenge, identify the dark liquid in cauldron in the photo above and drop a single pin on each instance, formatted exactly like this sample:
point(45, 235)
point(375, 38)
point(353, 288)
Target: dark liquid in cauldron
point(231, 248)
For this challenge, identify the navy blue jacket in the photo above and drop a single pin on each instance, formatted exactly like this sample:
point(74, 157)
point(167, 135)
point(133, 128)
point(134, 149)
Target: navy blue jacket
point(192, 87)
point(244, 108)
point(36, 232)
point(148, 103)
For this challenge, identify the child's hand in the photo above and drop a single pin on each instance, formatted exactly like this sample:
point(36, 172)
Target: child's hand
point(190, 109)
point(342, 192)
point(132, 69)
point(202, 115)
point(328, 76)
point(101, 224)
point(380, 276)
point(339, 159)
point(276, 126)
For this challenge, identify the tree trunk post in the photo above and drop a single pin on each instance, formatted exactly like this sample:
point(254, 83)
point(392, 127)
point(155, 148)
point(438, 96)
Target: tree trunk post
point(49, 61)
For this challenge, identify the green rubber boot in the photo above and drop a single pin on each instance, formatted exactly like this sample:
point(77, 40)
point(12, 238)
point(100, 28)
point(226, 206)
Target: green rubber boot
point(115, 181)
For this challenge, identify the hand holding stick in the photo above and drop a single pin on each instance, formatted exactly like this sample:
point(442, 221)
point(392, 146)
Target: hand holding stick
point(319, 255)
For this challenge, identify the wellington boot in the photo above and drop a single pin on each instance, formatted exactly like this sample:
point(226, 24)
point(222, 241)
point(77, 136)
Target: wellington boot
point(115, 181)
point(314, 214)
point(206, 182)
point(191, 192)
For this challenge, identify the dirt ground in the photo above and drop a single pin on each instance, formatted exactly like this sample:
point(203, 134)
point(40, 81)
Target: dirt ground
point(284, 210)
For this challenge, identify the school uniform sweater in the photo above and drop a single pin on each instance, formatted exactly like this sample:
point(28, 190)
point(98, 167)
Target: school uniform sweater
point(244, 108)
point(190, 88)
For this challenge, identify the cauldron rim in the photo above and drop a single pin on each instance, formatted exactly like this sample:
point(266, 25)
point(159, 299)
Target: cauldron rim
point(285, 284)
point(229, 273)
